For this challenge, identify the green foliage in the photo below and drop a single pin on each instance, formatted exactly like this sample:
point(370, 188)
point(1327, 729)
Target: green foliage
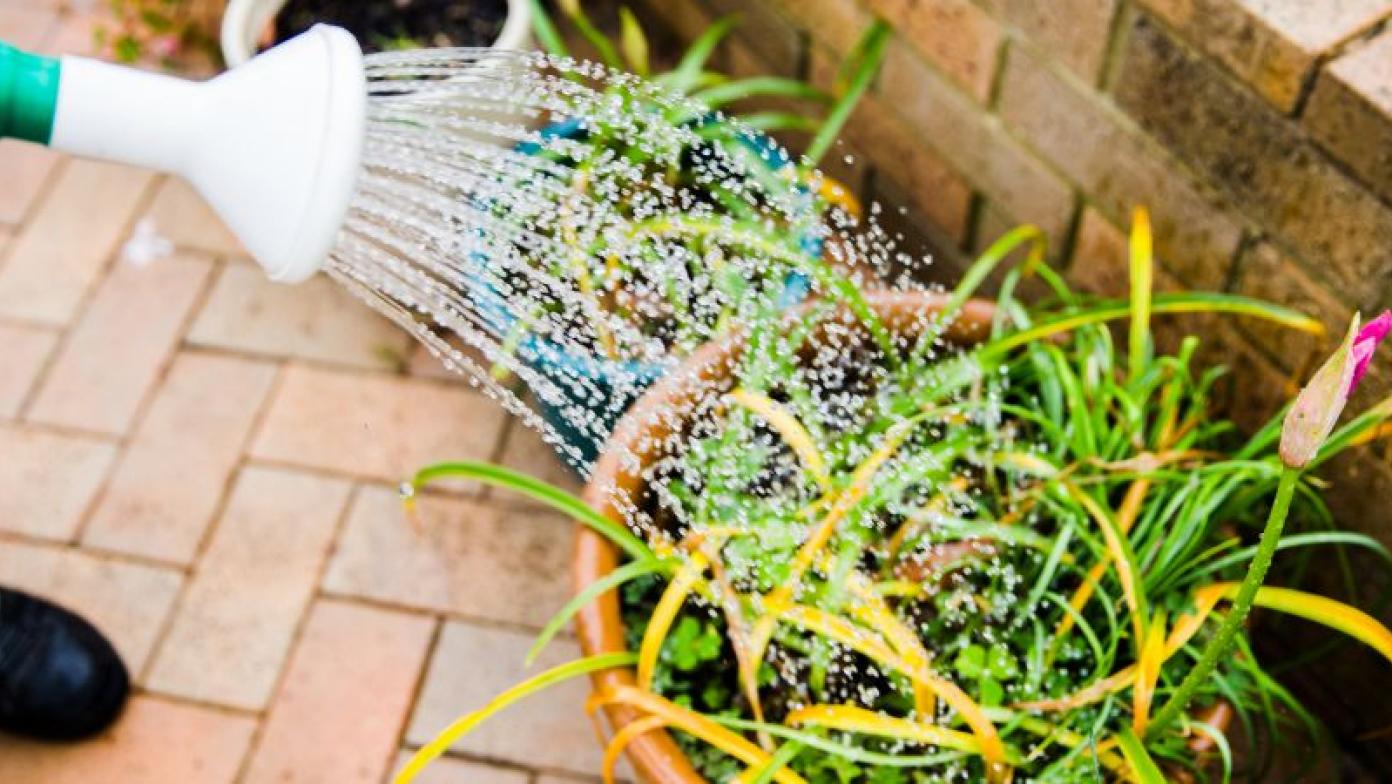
point(162, 32)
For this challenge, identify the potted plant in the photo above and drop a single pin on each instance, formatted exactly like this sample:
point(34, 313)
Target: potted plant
point(172, 34)
point(659, 284)
point(1029, 555)
point(251, 25)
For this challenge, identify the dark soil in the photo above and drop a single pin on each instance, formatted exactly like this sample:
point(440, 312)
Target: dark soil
point(399, 24)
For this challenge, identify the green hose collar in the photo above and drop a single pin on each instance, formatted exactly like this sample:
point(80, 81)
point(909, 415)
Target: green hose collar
point(28, 94)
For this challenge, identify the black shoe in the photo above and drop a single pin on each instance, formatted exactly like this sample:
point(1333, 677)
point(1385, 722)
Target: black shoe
point(59, 678)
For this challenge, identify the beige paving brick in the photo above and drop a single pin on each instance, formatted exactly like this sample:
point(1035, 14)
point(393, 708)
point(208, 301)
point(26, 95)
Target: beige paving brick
point(525, 451)
point(1265, 163)
point(26, 24)
point(234, 628)
point(1118, 168)
point(1350, 112)
point(48, 480)
point(25, 350)
point(1270, 45)
point(957, 36)
point(1074, 32)
point(155, 742)
point(976, 144)
point(181, 216)
point(375, 426)
point(312, 320)
point(27, 167)
point(499, 563)
point(447, 770)
point(128, 602)
point(61, 250)
point(167, 484)
point(470, 666)
point(114, 353)
point(339, 711)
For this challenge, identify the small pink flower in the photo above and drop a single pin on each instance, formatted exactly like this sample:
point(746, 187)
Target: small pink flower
point(1317, 408)
point(165, 46)
point(1366, 344)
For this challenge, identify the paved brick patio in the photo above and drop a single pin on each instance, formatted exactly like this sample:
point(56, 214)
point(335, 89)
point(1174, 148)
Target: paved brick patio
point(204, 464)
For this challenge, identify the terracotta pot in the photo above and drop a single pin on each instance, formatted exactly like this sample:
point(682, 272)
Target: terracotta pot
point(655, 756)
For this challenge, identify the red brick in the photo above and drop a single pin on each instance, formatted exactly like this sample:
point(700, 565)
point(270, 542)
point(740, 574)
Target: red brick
point(230, 638)
point(975, 143)
point(61, 251)
point(114, 354)
point(375, 426)
point(1100, 254)
point(1268, 274)
point(155, 742)
point(775, 40)
point(339, 711)
point(48, 480)
point(834, 23)
point(932, 187)
point(26, 350)
point(1264, 162)
point(1118, 168)
point(956, 36)
point(1074, 32)
point(195, 430)
point(130, 603)
point(503, 564)
point(1270, 45)
point(1350, 112)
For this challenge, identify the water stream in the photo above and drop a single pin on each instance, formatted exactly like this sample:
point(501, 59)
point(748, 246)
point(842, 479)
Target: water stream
point(562, 234)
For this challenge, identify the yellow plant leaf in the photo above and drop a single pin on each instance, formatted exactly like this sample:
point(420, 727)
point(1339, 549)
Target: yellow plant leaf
point(1148, 672)
point(1322, 610)
point(660, 622)
point(621, 740)
point(849, 718)
point(701, 727)
point(792, 431)
point(1126, 571)
point(873, 646)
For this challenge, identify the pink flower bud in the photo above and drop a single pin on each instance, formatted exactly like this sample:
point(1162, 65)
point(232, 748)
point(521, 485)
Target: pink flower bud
point(1317, 408)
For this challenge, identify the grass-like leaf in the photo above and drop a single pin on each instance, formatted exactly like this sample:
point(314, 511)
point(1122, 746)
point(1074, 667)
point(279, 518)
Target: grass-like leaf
point(548, 494)
point(466, 723)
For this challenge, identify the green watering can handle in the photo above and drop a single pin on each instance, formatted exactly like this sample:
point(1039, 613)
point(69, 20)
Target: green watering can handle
point(28, 94)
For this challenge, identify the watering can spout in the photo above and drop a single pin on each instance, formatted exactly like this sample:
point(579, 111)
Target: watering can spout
point(273, 145)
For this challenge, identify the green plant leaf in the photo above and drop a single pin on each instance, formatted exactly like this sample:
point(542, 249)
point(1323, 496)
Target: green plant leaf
point(552, 496)
point(1147, 772)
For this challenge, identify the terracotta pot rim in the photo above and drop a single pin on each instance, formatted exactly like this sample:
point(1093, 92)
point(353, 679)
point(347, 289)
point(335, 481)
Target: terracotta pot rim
point(599, 626)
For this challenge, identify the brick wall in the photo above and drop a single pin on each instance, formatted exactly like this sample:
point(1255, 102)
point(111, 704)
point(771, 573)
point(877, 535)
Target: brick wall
point(1258, 132)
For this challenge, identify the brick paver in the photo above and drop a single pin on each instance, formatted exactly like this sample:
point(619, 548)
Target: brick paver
point(447, 770)
point(47, 480)
point(339, 712)
point(115, 352)
point(26, 349)
point(495, 661)
point(59, 254)
point(237, 620)
point(462, 557)
point(316, 320)
point(373, 425)
point(129, 602)
point(156, 742)
point(195, 430)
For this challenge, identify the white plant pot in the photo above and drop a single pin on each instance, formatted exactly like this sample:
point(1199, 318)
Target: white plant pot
point(244, 21)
